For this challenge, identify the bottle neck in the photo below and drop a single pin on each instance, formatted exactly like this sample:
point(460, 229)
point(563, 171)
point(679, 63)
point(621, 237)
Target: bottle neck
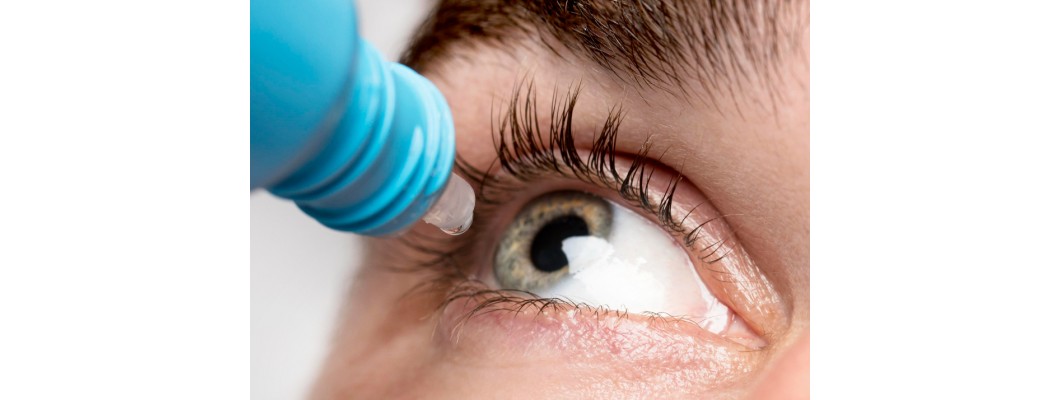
point(387, 156)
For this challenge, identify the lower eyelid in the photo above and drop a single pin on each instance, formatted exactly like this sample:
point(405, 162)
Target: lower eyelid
point(474, 299)
point(495, 326)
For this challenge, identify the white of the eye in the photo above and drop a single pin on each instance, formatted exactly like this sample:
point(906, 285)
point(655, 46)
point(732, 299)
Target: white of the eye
point(639, 268)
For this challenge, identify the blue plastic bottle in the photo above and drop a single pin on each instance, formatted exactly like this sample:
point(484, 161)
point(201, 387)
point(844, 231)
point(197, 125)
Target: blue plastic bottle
point(360, 144)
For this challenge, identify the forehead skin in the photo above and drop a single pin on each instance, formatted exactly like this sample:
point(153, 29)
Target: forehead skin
point(734, 121)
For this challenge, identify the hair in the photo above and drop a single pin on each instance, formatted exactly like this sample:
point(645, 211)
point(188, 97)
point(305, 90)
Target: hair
point(649, 43)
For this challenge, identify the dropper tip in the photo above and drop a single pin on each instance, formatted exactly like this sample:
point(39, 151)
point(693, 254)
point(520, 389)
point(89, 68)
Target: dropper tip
point(458, 230)
point(455, 208)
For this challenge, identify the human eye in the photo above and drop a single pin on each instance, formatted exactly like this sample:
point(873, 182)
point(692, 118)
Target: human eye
point(606, 243)
point(583, 249)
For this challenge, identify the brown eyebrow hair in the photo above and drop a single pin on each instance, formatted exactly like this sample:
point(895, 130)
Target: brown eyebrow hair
point(652, 43)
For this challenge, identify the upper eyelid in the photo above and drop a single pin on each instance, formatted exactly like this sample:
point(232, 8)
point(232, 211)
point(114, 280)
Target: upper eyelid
point(527, 150)
point(523, 149)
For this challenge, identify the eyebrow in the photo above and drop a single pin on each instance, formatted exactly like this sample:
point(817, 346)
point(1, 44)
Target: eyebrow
point(661, 44)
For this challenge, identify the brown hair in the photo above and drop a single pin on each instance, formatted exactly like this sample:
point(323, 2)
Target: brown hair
point(646, 43)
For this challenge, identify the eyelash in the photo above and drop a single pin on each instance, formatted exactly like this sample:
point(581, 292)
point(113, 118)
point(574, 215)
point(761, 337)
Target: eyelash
point(524, 155)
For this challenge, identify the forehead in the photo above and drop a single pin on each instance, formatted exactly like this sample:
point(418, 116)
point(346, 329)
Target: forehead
point(670, 45)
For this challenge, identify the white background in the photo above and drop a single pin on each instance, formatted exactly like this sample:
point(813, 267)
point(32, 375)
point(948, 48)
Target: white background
point(299, 270)
point(125, 258)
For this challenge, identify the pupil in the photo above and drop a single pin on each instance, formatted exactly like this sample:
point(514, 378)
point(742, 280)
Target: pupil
point(546, 251)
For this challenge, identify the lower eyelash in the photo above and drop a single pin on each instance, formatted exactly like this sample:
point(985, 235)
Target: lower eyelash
point(517, 302)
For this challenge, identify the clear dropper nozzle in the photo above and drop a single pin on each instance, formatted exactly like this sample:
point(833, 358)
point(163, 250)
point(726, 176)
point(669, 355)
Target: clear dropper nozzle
point(455, 208)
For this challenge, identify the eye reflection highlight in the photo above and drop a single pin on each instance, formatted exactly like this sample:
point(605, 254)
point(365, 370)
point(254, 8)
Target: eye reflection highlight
point(585, 249)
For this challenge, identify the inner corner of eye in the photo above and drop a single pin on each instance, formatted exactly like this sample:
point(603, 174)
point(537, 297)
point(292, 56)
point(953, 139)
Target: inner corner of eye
point(581, 247)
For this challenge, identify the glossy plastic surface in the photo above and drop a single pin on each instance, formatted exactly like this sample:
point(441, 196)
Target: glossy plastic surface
point(360, 144)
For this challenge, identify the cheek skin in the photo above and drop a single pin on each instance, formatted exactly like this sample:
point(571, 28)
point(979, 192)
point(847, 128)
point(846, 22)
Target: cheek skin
point(379, 343)
point(397, 346)
point(788, 378)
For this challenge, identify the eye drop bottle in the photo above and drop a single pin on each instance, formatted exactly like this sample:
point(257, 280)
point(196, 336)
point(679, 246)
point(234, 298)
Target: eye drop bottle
point(360, 144)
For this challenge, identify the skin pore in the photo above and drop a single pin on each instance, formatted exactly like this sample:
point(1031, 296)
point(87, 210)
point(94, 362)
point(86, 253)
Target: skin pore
point(734, 123)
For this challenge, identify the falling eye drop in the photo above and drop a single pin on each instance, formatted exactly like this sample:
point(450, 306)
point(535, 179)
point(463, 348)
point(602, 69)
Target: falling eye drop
point(360, 144)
